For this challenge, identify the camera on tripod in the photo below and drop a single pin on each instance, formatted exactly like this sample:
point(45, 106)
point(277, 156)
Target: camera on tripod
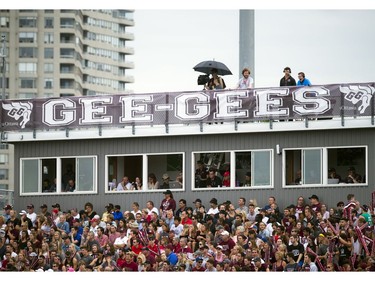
point(203, 79)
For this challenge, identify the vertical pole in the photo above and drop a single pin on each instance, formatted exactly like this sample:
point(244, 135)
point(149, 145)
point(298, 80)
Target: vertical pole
point(3, 64)
point(247, 42)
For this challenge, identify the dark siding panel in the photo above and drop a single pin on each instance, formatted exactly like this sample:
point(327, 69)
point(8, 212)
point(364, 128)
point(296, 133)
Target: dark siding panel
point(202, 142)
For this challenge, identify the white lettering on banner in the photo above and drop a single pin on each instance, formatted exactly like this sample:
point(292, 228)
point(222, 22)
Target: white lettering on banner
point(132, 110)
point(201, 107)
point(269, 102)
point(50, 109)
point(309, 102)
point(229, 103)
point(93, 110)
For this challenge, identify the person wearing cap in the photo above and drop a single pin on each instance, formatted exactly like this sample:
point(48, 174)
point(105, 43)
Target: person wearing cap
point(7, 209)
point(168, 203)
point(287, 79)
point(171, 256)
point(198, 265)
point(165, 183)
point(213, 207)
point(227, 242)
point(31, 214)
point(25, 219)
point(44, 210)
point(315, 205)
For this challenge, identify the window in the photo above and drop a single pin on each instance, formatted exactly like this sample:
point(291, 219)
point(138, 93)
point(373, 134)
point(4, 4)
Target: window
point(27, 67)
point(27, 83)
point(26, 95)
point(325, 166)
point(233, 169)
point(48, 83)
point(48, 53)
point(58, 175)
point(3, 174)
point(27, 37)
point(141, 166)
point(48, 22)
point(28, 52)
point(48, 38)
point(48, 67)
point(27, 21)
point(4, 21)
point(4, 159)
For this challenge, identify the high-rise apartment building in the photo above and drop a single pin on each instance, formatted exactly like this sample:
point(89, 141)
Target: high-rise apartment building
point(54, 53)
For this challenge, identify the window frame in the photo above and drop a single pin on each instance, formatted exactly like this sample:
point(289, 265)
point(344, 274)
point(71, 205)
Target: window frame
point(324, 164)
point(58, 175)
point(232, 156)
point(145, 172)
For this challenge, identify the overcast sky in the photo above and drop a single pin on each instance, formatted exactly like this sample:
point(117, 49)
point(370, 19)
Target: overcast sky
point(330, 46)
point(171, 37)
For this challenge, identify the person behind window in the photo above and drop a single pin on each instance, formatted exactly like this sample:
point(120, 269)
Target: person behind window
point(152, 181)
point(352, 176)
point(333, 175)
point(165, 184)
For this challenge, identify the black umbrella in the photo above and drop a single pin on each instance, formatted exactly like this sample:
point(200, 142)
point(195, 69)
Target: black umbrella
point(207, 66)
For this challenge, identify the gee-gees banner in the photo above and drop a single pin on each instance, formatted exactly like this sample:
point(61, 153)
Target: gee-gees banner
point(354, 99)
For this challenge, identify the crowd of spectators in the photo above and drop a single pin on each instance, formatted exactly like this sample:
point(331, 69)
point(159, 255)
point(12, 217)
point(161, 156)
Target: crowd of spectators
point(307, 235)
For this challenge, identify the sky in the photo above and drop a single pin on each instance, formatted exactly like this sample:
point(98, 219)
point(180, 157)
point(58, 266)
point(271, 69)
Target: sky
point(331, 41)
point(330, 46)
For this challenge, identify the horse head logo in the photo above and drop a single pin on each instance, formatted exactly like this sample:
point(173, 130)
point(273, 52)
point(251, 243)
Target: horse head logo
point(358, 95)
point(19, 110)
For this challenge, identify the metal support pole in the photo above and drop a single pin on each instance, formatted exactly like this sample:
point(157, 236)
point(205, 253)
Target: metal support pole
point(3, 64)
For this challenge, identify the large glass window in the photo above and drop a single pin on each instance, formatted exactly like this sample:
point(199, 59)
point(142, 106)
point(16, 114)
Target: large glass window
point(27, 67)
point(28, 52)
point(27, 37)
point(48, 53)
point(27, 21)
point(58, 175)
point(233, 169)
point(322, 166)
point(27, 83)
point(153, 171)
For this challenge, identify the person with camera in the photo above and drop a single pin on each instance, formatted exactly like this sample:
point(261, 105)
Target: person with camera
point(216, 82)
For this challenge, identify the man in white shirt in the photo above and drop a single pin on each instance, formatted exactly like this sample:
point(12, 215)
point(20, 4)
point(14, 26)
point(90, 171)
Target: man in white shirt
point(121, 241)
point(31, 214)
point(214, 209)
point(124, 184)
point(246, 82)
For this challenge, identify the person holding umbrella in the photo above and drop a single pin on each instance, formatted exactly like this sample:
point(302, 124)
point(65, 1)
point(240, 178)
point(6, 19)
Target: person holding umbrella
point(216, 82)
